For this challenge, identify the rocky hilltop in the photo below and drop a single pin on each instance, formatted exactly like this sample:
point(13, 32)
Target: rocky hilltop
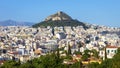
point(59, 19)
point(59, 16)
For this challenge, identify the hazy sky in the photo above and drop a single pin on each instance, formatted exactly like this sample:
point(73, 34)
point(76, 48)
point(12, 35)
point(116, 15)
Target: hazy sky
point(102, 12)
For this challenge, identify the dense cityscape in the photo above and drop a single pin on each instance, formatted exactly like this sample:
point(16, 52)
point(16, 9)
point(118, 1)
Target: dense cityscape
point(59, 42)
point(65, 46)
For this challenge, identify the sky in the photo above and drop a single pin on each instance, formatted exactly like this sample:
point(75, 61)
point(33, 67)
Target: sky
point(101, 12)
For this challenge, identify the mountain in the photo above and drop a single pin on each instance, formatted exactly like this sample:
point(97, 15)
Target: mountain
point(15, 23)
point(59, 19)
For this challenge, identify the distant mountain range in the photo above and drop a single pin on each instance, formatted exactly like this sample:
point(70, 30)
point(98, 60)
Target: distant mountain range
point(59, 19)
point(15, 23)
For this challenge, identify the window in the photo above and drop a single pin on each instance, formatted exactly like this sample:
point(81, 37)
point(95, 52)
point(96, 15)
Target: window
point(115, 51)
point(108, 51)
point(111, 50)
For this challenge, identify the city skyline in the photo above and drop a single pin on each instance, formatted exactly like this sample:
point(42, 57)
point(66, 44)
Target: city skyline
point(93, 12)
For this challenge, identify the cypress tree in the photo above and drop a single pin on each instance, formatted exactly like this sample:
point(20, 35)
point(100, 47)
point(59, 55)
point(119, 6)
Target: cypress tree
point(69, 50)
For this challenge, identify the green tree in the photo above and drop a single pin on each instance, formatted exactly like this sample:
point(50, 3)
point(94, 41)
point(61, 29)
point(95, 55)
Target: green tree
point(26, 65)
point(95, 53)
point(117, 55)
point(10, 64)
point(86, 55)
point(50, 61)
point(116, 59)
point(105, 53)
point(107, 63)
point(58, 53)
point(69, 50)
point(112, 63)
point(93, 65)
point(76, 65)
point(77, 53)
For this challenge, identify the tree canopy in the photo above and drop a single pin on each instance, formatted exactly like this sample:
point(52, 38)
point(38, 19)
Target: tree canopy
point(52, 60)
point(63, 23)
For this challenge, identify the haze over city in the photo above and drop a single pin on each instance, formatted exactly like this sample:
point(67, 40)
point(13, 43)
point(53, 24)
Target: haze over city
point(102, 12)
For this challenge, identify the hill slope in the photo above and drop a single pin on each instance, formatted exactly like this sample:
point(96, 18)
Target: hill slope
point(59, 19)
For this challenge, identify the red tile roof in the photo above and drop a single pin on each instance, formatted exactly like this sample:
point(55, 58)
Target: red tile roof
point(13, 52)
point(111, 46)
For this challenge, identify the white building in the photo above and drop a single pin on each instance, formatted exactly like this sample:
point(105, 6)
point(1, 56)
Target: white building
point(60, 35)
point(110, 51)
